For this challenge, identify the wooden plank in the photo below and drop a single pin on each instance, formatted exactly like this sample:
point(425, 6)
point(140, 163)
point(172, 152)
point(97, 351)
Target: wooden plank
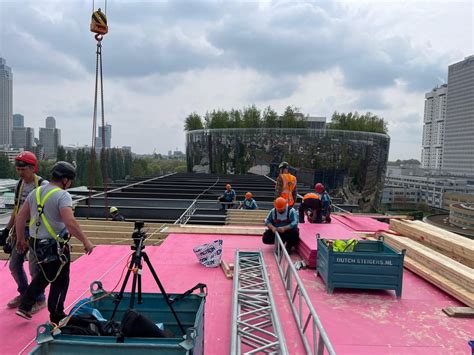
point(459, 312)
point(450, 244)
point(227, 271)
point(441, 282)
point(439, 263)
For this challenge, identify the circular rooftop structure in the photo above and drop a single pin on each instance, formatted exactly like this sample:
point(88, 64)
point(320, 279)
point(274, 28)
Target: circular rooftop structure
point(350, 164)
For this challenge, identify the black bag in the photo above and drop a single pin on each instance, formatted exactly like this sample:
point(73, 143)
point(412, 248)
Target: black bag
point(46, 250)
point(87, 324)
point(135, 324)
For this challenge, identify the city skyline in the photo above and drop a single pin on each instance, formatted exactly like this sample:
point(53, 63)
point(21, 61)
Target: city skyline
point(201, 56)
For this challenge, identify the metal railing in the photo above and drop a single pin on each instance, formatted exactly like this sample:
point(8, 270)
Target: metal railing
point(255, 324)
point(186, 215)
point(184, 218)
point(309, 324)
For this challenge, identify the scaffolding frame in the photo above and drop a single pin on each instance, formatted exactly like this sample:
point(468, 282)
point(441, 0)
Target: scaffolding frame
point(255, 322)
point(303, 310)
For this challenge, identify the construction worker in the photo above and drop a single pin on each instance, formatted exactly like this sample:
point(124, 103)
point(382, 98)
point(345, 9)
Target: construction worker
point(49, 209)
point(312, 206)
point(325, 201)
point(116, 216)
point(228, 198)
point(249, 203)
point(282, 219)
point(26, 166)
point(286, 184)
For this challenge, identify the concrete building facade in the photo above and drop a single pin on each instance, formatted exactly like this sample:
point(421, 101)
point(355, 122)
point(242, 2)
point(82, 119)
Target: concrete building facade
point(415, 185)
point(50, 139)
point(433, 127)
point(23, 137)
point(18, 120)
point(6, 104)
point(458, 151)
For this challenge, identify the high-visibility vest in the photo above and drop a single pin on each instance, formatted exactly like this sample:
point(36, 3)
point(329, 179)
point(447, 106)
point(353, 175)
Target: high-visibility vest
point(288, 186)
point(311, 195)
point(40, 206)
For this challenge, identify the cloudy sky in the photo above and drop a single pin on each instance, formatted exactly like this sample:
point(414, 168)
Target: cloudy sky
point(166, 59)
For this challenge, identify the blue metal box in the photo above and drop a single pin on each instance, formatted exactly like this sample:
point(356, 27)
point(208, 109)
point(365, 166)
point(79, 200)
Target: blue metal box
point(190, 312)
point(372, 265)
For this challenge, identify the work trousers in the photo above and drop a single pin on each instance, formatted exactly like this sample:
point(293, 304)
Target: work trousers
point(227, 205)
point(57, 291)
point(290, 238)
point(18, 272)
point(315, 206)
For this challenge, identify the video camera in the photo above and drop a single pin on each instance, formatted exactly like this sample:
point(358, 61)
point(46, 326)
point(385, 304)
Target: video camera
point(138, 236)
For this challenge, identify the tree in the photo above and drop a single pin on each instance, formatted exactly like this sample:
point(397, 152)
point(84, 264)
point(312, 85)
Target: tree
point(219, 119)
point(61, 154)
point(193, 122)
point(270, 118)
point(235, 119)
point(355, 122)
point(290, 117)
point(7, 171)
point(251, 117)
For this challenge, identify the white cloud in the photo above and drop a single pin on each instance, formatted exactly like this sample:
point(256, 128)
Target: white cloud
point(164, 60)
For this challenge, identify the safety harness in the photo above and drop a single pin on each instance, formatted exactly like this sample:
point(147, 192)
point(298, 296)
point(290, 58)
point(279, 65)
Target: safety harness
point(60, 242)
point(276, 220)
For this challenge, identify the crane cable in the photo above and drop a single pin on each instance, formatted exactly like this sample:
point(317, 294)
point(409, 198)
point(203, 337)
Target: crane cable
point(100, 28)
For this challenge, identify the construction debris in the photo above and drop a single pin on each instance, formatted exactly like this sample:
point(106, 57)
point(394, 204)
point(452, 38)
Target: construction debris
point(459, 312)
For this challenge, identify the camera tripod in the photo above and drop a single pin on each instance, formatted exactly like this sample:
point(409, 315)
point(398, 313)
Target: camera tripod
point(136, 266)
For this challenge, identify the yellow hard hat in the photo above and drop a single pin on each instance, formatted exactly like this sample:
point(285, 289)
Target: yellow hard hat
point(113, 209)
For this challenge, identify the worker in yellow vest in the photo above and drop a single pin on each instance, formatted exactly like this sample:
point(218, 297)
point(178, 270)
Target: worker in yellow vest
point(286, 185)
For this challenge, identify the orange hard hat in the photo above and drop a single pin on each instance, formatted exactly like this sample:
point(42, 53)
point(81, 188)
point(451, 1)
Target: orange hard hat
point(248, 195)
point(280, 203)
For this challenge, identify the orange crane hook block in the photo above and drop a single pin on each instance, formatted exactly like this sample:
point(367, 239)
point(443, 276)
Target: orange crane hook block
point(99, 23)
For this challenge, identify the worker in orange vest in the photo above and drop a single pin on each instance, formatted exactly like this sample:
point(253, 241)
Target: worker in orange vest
point(312, 206)
point(286, 185)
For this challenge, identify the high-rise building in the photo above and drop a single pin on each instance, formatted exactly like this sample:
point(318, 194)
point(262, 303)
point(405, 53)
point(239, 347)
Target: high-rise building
point(23, 137)
point(458, 152)
point(107, 130)
point(18, 120)
point(6, 103)
point(433, 127)
point(50, 122)
point(50, 138)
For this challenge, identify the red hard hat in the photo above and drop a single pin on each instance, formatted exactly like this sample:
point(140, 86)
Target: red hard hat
point(28, 158)
point(319, 187)
point(248, 195)
point(280, 203)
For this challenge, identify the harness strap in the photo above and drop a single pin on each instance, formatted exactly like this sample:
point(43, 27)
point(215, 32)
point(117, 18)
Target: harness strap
point(40, 203)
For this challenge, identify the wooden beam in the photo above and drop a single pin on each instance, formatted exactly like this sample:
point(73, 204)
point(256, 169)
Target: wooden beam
point(450, 269)
point(459, 312)
point(227, 270)
point(441, 282)
point(450, 244)
point(375, 216)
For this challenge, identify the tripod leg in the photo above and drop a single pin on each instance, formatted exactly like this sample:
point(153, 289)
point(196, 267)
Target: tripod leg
point(140, 288)
point(163, 292)
point(134, 287)
point(119, 297)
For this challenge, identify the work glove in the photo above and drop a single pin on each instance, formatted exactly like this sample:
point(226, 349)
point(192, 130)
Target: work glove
point(4, 236)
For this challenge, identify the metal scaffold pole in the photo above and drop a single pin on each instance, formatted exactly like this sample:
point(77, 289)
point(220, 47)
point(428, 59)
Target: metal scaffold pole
point(255, 324)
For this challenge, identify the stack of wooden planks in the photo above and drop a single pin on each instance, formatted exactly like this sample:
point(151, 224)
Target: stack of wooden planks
point(246, 217)
point(445, 259)
point(450, 244)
